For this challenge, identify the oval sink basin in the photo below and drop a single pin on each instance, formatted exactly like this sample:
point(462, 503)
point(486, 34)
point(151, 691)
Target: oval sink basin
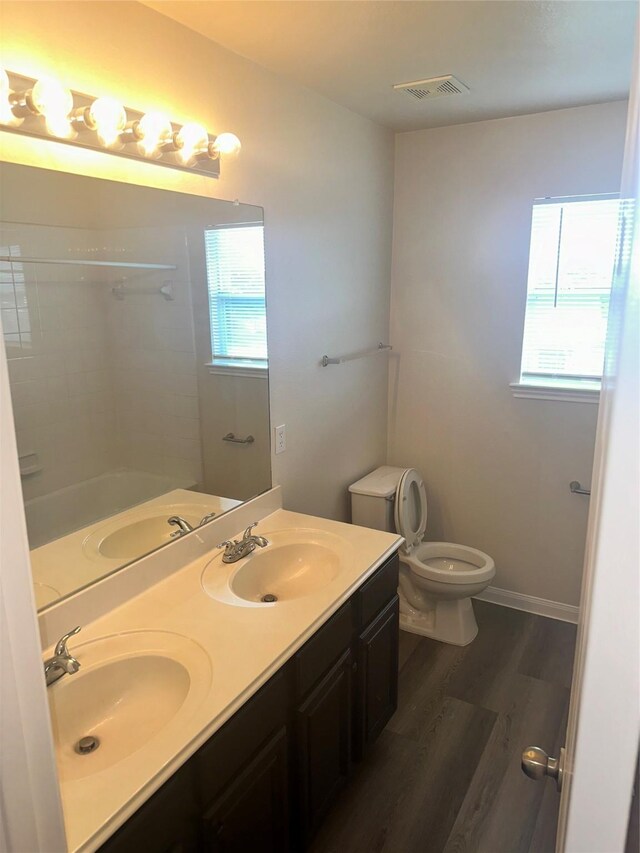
point(293, 565)
point(130, 691)
point(288, 571)
point(128, 539)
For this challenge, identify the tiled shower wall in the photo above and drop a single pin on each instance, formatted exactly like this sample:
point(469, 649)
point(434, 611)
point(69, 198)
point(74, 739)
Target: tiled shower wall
point(57, 347)
point(153, 356)
point(99, 383)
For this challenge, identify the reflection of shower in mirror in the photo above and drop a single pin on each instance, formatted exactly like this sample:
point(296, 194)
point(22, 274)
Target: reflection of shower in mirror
point(134, 326)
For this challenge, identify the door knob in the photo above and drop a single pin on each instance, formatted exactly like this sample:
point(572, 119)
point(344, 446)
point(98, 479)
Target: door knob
point(537, 764)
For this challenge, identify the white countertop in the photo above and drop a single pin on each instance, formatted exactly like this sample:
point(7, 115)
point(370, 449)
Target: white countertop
point(245, 645)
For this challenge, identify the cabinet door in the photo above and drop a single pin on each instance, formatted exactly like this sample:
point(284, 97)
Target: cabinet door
point(377, 687)
point(323, 723)
point(167, 823)
point(253, 812)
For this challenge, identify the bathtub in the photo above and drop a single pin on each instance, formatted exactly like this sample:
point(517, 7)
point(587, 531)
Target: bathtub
point(54, 515)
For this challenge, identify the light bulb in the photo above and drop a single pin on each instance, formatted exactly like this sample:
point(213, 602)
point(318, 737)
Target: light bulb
point(227, 145)
point(191, 139)
point(50, 99)
point(4, 83)
point(155, 129)
point(108, 118)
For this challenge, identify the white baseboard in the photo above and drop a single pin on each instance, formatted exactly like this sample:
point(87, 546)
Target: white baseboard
point(530, 604)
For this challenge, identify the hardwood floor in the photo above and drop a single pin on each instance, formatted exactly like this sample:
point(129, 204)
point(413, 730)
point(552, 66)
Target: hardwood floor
point(444, 776)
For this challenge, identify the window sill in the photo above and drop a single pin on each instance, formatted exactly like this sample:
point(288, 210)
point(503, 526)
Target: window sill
point(563, 394)
point(250, 370)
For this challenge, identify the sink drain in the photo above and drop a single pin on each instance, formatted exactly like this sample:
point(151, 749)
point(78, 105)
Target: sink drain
point(87, 744)
point(269, 598)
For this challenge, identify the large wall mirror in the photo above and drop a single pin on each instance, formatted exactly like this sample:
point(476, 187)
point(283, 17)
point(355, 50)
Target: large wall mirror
point(135, 332)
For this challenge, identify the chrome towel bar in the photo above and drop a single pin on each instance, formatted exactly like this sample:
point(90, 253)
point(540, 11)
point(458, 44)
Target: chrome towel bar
point(231, 437)
point(326, 360)
point(577, 489)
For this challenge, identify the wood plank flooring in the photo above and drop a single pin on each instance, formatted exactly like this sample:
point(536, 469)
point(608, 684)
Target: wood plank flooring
point(444, 776)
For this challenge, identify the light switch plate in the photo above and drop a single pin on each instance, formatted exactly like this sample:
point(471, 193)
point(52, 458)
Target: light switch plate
point(280, 438)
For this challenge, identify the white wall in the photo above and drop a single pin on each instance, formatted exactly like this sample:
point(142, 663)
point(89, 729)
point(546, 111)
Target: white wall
point(497, 468)
point(324, 176)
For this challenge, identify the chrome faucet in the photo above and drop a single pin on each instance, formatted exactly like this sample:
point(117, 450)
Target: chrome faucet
point(183, 525)
point(235, 550)
point(61, 662)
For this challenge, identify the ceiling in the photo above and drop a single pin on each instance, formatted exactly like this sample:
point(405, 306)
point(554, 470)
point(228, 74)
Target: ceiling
point(516, 56)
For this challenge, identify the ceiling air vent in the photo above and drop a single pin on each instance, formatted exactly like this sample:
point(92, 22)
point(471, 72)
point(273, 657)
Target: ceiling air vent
point(434, 87)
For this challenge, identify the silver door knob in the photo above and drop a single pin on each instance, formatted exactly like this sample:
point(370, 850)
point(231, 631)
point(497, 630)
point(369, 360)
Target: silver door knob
point(537, 764)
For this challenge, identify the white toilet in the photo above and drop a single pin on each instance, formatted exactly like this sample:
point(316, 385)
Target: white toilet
point(437, 579)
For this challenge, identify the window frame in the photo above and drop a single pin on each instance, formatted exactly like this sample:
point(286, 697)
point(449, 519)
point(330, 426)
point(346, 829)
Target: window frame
point(234, 365)
point(556, 386)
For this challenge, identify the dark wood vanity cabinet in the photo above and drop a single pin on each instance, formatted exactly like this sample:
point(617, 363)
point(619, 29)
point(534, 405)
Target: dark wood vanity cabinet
point(264, 782)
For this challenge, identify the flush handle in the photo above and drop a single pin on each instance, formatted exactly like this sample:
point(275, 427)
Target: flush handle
point(537, 764)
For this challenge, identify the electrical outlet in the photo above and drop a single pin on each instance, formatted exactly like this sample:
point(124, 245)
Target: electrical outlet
point(281, 439)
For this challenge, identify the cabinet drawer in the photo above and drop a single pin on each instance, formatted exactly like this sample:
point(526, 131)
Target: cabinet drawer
point(323, 649)
point(378, 591)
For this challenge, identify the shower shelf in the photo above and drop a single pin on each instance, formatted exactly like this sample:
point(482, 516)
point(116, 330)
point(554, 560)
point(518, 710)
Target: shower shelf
point(122, 265)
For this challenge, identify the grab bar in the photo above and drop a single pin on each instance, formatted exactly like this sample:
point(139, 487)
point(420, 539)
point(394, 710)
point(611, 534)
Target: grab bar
point(231, 437)
point(577, 489)
point(325, 360)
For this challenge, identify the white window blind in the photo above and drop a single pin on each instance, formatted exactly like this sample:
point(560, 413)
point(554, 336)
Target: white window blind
point(571, 265)
point(235, 278)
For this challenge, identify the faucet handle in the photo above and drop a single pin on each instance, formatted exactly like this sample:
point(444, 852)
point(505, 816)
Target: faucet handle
point(228, 543)
point(61, 649)
point(247, 532)
point(207, 518)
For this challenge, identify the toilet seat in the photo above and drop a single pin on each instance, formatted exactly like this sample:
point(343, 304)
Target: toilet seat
point(410, 509)
point(449, 563)
point(445, 562)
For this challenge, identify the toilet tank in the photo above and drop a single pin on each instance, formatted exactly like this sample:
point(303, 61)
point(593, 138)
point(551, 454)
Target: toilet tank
point(372, 498)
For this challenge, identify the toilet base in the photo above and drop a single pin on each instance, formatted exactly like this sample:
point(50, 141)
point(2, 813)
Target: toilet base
point(449, 621)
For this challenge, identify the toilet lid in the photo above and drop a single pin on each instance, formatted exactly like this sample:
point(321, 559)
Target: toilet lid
point(411, 508)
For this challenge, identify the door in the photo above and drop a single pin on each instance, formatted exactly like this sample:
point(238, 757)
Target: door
point(604, 715)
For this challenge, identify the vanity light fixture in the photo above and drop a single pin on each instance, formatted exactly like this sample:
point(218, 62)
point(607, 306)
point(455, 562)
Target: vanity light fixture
point(46, 109)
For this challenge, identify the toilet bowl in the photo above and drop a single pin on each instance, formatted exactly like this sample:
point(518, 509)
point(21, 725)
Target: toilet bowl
point(437, 579)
